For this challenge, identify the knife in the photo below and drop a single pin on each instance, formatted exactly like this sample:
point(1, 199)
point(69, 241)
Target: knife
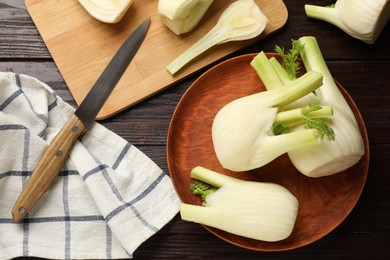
point(55, 156)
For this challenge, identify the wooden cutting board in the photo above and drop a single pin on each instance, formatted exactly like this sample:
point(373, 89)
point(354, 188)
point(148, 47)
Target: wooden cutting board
point(82, 46)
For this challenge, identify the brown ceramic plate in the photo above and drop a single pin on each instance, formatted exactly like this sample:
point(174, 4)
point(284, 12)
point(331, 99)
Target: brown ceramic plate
point(323, 202)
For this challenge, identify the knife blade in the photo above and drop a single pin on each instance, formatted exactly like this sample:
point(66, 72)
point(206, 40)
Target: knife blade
point(55, 156)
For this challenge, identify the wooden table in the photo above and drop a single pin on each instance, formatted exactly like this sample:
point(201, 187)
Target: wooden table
point(363, 70)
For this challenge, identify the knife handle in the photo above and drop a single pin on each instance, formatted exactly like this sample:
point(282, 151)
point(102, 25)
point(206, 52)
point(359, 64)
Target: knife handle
point(51, 163)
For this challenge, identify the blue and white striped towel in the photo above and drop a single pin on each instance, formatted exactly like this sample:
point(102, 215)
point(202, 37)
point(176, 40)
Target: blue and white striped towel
point(108, 199)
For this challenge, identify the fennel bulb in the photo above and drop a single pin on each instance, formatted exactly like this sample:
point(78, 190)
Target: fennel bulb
point(242, 130)
point(348, 147)
point(107, 11)
point(181, 16)
point(262, 211)
point(363, 20)
point(242, 20)
point(326, 157)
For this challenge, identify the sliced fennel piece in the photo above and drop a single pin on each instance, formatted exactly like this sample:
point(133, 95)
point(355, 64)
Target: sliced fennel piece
point(107, 11)
point(328, 158)
point(363, 20)
point(242, 130)
point(181, 16)
point(242, 20)
point(262, 211)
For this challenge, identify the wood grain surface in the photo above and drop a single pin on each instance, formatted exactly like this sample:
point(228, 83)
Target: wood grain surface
point(363, 70)
point(81, 46)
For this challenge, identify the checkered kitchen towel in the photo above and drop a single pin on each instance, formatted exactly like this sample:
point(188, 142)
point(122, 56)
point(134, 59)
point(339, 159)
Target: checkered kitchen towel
point(107, 200)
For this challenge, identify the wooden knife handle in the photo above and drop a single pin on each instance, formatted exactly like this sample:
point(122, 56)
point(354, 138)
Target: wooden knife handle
point(51, 163)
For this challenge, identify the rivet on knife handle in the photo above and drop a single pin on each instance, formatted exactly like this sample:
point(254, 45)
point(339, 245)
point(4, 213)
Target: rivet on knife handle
point(48, 167)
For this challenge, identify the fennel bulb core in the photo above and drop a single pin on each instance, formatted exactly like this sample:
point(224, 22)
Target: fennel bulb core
point(181, 16)
point(107, 11)
point(262, 211)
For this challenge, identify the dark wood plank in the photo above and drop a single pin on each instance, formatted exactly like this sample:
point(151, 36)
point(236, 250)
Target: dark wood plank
point(18, 34)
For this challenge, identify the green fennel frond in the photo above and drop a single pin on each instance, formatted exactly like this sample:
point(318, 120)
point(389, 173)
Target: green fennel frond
point(313, 116)
point(290, 59)
point(202, 189)
point(321, 124)
point(279, 127)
